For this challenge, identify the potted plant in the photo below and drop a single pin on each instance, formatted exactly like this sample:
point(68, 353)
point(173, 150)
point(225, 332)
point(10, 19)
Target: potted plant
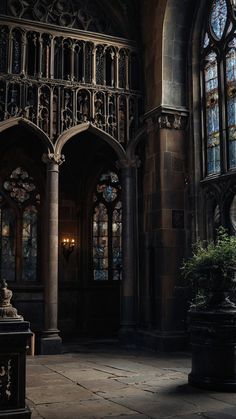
point(210, 271)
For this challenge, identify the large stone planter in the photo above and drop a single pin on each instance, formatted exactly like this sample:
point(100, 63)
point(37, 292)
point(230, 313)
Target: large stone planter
point(213, 340)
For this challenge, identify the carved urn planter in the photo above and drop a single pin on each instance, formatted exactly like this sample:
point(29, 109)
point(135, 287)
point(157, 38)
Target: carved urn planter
point(211, 272)
point(14, 332)
point(213, 341)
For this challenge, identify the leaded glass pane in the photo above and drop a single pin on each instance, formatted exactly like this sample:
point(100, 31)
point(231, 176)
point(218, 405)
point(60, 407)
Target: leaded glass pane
point(116, 241)
point(29, 244)
point(231, 103)
point(7, 250)
point(100, 242)
point(206, 41)
point(107, 228)
point(218, 17)
point(212, 114)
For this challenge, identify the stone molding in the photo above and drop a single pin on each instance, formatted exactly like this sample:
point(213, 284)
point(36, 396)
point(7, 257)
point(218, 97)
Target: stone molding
point(166, 118)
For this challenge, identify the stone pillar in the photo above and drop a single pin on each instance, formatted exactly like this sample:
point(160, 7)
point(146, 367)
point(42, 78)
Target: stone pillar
point(51, 341)
point(129, 285)
point(165, 226)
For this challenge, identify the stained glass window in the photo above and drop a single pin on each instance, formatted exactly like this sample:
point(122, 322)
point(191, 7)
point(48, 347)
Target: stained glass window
point(212, 114)
point(218, 17)
point(231, 101)
point(7, 243)
point(219, 81)
point(19, 227)
point(29, 243)
point(107, 229)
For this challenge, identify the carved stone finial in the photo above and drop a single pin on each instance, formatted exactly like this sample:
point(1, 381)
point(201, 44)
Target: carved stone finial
point(7, 311)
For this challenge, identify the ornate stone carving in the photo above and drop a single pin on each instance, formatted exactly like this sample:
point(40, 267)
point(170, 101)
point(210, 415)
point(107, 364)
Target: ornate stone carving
point(53, 158)
point(164, 118)
point(171, 121)
point(7, 311)
point(59, 91)
point(80, 14)
point(6, 380)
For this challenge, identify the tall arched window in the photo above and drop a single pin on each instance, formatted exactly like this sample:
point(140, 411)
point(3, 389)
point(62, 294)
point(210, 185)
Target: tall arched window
point(218, 64)
point(19, 202)
point(107, 227)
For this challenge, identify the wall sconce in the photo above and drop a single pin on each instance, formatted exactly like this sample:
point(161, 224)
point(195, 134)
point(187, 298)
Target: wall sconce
point(68, 246)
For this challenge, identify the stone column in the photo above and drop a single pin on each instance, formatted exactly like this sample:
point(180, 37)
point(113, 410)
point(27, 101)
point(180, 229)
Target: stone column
point(51, 341)
point(129, 249)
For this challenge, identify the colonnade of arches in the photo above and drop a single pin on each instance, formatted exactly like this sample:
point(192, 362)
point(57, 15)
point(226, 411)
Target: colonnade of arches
point(52, 159)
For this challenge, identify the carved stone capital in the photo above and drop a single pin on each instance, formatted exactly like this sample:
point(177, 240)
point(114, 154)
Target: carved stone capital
point(166, 118)
point(53, 158)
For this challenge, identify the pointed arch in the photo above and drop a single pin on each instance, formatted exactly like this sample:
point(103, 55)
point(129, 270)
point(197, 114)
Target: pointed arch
point(87, 126)
point(11, 122)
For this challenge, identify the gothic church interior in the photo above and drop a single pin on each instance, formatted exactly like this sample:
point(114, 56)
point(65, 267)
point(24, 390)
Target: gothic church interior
point(118, 150)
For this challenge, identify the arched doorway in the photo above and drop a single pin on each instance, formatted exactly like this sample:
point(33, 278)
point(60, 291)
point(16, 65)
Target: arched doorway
point(90, 214)
point(22, 216)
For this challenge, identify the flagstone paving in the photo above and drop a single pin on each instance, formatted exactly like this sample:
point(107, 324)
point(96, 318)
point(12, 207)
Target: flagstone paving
point(99, 380)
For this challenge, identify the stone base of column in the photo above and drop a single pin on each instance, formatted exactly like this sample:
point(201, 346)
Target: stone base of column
point(12, 414)
point(50, 343)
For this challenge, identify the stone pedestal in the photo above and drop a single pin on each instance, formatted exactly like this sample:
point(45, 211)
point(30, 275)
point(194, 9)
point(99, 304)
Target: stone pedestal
point(13, 341)
point(213, 340)
point(14, 332)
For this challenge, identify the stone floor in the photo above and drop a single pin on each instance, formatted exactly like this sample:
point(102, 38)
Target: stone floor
point(101, 380)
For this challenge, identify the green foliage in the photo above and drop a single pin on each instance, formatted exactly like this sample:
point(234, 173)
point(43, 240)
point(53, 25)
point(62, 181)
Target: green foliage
point(212, 264)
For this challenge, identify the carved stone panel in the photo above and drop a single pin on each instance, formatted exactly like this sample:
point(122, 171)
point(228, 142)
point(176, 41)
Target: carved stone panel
point(8, 380)
point(81, 14)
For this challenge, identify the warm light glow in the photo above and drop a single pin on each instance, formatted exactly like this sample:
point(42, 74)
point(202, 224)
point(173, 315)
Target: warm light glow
point(68, 246)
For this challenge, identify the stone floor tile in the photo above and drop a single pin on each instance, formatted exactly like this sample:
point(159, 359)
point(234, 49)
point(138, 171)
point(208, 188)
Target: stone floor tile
point(94, 409)
point(108, 382)
point(62, 393)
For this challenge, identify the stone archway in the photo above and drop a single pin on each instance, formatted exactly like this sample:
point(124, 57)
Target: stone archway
point(86, 306)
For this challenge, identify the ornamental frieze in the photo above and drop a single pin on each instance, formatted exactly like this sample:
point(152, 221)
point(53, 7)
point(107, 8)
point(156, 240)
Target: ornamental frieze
point(78, 14)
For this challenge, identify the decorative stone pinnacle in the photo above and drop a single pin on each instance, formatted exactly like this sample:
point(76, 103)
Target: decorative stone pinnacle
point(7, 311)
